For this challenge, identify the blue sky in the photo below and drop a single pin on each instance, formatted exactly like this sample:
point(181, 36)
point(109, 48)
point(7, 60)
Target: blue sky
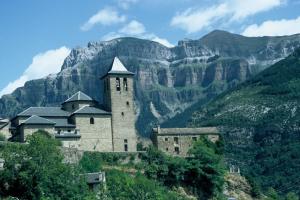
point(36, 36)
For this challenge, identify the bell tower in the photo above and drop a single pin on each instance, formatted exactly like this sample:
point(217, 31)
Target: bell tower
point(118, 99)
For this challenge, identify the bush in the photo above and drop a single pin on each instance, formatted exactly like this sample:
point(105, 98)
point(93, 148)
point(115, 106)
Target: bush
point(203, 172)
point(36, 171)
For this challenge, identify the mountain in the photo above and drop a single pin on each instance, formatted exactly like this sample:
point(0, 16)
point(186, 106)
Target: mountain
point(260, 123)
point(167, 80)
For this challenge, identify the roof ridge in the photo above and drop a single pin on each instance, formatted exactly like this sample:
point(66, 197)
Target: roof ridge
point(81, 108)
point(36, 116)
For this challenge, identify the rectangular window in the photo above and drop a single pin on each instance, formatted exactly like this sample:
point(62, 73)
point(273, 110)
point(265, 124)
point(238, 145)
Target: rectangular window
point(167, 149)
point(176, 150)
point(125, 140)
point(125, 86)
point(118, 87)
point(176, 140)
point(194, 138)
point(125, 147)
point(166, 139)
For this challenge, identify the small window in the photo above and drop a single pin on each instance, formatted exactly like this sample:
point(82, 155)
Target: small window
point(73, 106)
point(176, 150)
point(125, 147)
point(125, 140)
point(125, 86)
point(127, 103)
point(107, 85)
point(176, 140)
point(69, 131)
point(166, 139)
point(122, 113)
point(194, 138)
point(118, 87)
point(92, 120)
point(167, 149)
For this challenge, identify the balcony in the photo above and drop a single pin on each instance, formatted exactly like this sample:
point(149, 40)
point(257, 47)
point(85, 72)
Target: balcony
point(67, 134)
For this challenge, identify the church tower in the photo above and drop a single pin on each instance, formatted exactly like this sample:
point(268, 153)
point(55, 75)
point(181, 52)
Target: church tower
point(118, 99)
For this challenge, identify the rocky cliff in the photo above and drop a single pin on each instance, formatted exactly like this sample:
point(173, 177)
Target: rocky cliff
point(168, 80)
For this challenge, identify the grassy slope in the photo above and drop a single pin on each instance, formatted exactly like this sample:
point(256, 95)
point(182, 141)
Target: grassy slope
point(260, 121)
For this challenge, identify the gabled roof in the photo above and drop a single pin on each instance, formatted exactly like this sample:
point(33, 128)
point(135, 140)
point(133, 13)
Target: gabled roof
point(79, 96)
point(117, 68)
point(38, 120)
point(95, 178)
point(91, 110)
point(44, 112)
point(186, 131)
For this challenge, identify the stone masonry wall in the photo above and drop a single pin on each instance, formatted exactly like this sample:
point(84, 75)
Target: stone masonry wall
point(123, 116)
point(167, 143)
point(97, 136)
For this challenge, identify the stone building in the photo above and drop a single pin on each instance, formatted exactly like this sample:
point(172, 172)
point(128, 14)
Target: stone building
point(4, 128)
point(178, 141)
point(80, 122)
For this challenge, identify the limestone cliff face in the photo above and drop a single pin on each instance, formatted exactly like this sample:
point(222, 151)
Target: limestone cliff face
point(167, 80)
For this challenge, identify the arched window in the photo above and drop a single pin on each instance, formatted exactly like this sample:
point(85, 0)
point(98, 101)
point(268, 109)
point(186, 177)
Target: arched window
point(92, 120)
point(118, 87)
point(125, 85)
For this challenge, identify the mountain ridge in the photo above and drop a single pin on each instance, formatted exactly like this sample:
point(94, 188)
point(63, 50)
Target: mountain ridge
point(168, 80)
point(259, 121)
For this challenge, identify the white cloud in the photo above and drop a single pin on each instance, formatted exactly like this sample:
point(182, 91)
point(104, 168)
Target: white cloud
point(133, 28)
point(194, 20)
point(155, 38)
point(137, 29)
point(106, 16)
point(42, 65)
point(125, 4)
point(274, 28)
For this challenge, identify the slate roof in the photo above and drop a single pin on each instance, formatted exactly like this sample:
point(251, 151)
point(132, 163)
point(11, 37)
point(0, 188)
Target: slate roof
point(91, 110)
point(62, 122)
point(117, 67)
point(38, 120)
point(95, 178)
point(79, 96)
point(68, 135)
point(186, 131)
point(44, 112)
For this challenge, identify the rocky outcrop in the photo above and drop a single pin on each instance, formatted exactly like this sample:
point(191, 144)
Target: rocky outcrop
point(168, 80)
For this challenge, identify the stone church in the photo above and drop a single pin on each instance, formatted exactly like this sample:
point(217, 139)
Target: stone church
point(80, 122)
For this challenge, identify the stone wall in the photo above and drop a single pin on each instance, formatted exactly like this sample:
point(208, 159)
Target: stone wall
point(168, 143)
point(123, 115)
point(97, 136)
point(26, 130)
point(5, 131)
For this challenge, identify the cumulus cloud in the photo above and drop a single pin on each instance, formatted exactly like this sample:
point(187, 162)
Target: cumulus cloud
point(133, 28)
point(193, 20)
point(274, 28)
point(106, 16)
point(125, 4)
point(136, 29)
point(42, 65)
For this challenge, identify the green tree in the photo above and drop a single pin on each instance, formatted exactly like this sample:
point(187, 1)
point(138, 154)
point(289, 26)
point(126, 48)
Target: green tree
point(272, 195)
point(36, 171)
point(2, 137)
point(205, 169)
point(292, 196)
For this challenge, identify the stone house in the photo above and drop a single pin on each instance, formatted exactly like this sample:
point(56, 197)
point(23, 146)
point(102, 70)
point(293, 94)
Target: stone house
point(80, 122)
point(4, 128)
point(178, 141)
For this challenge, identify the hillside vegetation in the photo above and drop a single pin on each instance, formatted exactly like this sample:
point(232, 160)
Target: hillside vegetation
point(260, 121)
